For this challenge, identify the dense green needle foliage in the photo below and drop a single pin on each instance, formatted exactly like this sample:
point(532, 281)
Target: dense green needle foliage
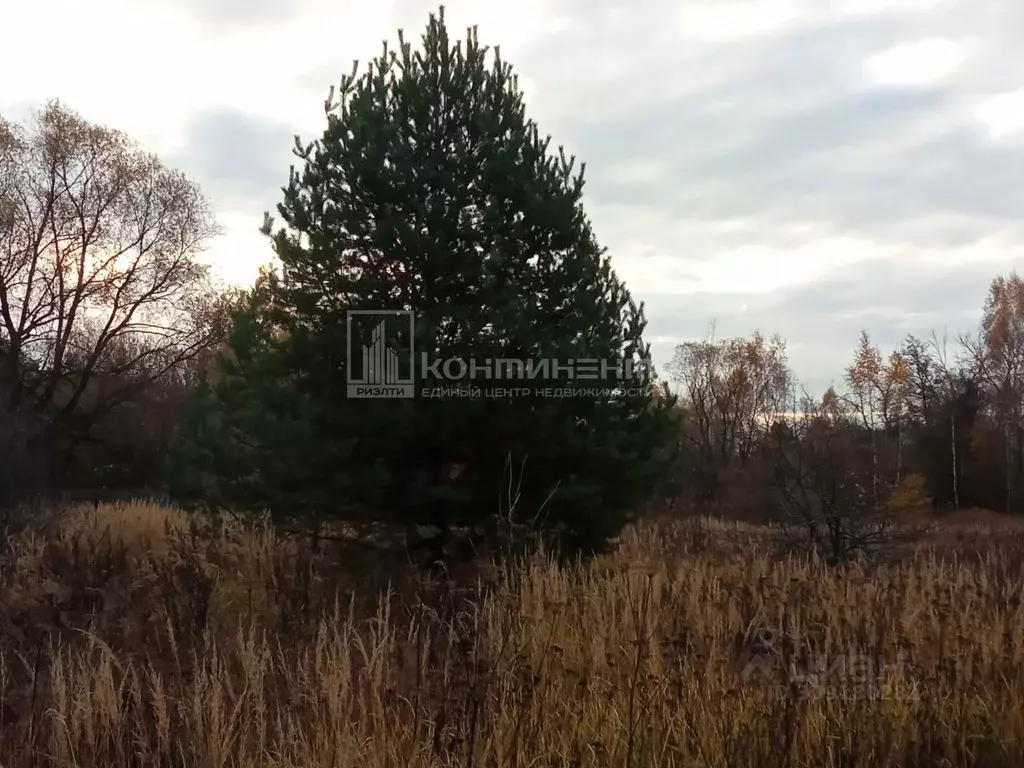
point(431, 191)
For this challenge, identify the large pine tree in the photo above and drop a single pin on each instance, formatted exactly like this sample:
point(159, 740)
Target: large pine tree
point(430, 190)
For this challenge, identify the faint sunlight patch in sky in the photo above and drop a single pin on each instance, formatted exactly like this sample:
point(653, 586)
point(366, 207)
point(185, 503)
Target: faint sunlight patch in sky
point(859, 7)
point(725, 21)
point(760, 269)
point(1003, 114)
point(237, 255)
point(917, 64)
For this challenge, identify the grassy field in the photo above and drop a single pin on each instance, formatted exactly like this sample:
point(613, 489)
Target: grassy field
point(128, 639)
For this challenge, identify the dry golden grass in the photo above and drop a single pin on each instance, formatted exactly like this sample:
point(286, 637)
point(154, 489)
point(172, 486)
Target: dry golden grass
point(691, 645)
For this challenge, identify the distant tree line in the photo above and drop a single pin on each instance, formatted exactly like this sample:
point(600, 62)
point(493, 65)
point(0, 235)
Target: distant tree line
point(932, 423)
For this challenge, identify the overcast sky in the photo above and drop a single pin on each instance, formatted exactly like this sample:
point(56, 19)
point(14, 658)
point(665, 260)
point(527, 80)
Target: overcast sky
point(809, 168)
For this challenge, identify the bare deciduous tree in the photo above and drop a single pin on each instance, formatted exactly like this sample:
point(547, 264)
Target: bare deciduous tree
point(101, 291)
point(735, 389)
point(827, 495)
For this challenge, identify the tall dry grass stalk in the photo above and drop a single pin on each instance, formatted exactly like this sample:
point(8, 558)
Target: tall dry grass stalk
point(691, 645)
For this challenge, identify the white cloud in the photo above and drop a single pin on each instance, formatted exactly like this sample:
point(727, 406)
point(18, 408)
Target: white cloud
point(867, 7)
point(762, 269)
point(137, 72)
point(1003, 114)
point(920, 63)
point(237, 256)
point(731, 20)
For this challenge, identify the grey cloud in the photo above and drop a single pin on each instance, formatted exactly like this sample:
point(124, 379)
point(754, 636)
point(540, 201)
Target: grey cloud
point(782, 126)
point(787, 158)
point(822, 320)
point(240, 160)
point(768, 129)
point(958, 172)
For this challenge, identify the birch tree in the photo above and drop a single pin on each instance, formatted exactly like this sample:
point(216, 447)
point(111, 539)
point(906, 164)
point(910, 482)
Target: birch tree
point(864, 376)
